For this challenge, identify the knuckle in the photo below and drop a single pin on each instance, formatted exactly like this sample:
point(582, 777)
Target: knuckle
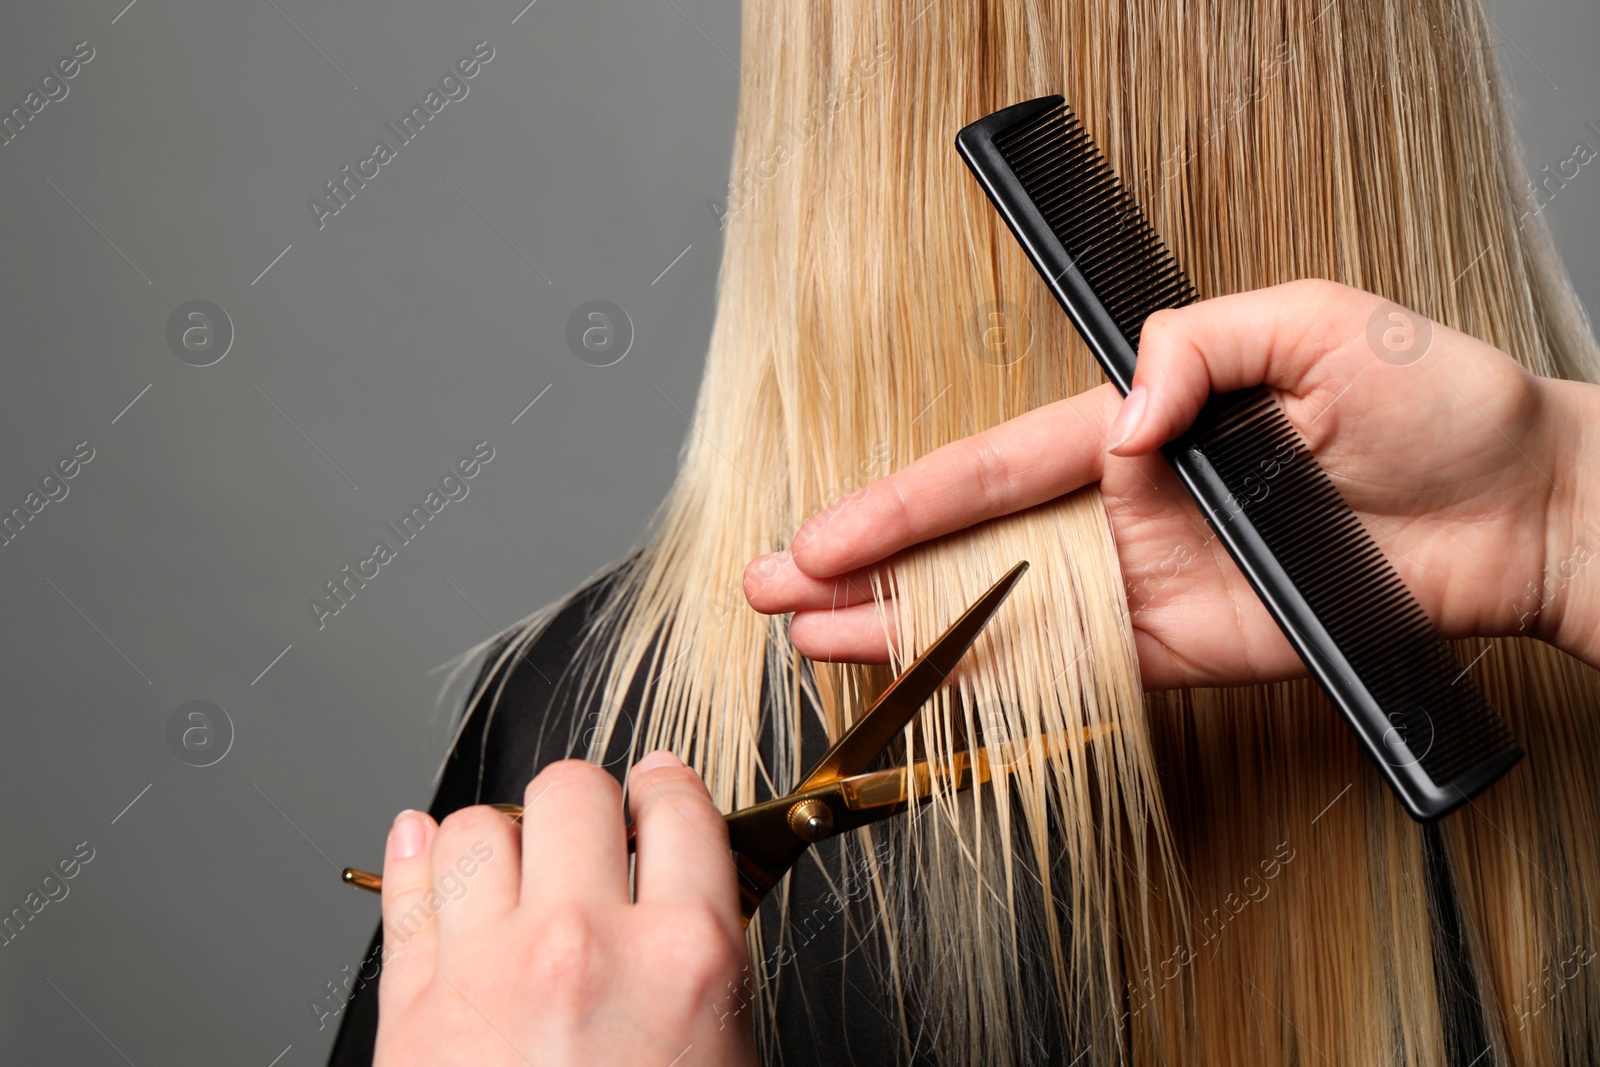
point(893, 502)
point(477, 819)
point(395, 989)
point(704, 931)
point(1159, 330)
point(707, 828)
point(565, 951)
point(682, 777)
point(1317, 288)
point(406, 920)
point(679, 785)
point(703, 955)
point(568, 774)
point(993, 472)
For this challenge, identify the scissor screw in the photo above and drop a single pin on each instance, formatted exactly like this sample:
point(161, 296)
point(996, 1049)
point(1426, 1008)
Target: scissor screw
point(811, 820)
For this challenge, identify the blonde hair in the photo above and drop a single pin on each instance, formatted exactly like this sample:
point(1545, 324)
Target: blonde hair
point(1221, 877)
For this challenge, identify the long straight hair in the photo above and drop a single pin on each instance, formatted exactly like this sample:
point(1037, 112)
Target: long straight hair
point(1212, 876)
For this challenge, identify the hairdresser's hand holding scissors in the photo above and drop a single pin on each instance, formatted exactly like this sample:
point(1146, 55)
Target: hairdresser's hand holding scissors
point(545, 957)
point(1469, 471)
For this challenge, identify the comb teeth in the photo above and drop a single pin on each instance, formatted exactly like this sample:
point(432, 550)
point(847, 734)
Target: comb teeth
point(1431, 701)
point(1100, 224)
point(1335, 595)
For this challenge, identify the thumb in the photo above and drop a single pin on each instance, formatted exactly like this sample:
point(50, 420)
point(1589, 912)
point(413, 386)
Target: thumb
point(1291, 337)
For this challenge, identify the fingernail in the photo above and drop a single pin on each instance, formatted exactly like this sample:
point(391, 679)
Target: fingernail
point(407, 834)
point(759, 570)
point(655, 760)
point(1128, 416)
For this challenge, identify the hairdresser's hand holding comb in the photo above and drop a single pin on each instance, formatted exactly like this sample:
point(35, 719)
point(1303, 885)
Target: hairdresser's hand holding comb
point(1476, 478)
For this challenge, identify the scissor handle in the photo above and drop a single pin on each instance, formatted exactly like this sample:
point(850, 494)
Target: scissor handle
point(763, 852)
point(373, 883)
point(754, 883)
point(768, 838)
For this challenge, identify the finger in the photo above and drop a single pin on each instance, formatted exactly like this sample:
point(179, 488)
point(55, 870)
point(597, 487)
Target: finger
point(682, 853)
point(574, 842)
point(1045, 453)
point(475, 867)
point(1295, 337)
point(845, 635)
point(774, 585)
point(410, 939)
point(1251, 651)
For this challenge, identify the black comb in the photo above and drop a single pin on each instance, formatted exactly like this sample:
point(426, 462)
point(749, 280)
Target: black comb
point(1339, 601)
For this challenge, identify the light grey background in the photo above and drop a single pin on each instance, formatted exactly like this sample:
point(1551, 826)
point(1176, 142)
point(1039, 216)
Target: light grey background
point(370, 355)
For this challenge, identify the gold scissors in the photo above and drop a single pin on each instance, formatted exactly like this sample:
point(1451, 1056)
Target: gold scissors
point(840, 794)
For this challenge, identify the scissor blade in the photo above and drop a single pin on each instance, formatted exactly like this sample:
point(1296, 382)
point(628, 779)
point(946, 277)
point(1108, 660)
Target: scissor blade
point(889, 714)
point(878, 794)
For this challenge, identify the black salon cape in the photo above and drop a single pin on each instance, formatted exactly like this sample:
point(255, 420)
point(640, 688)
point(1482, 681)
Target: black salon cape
point(830, 1007)
point(832, 1010)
